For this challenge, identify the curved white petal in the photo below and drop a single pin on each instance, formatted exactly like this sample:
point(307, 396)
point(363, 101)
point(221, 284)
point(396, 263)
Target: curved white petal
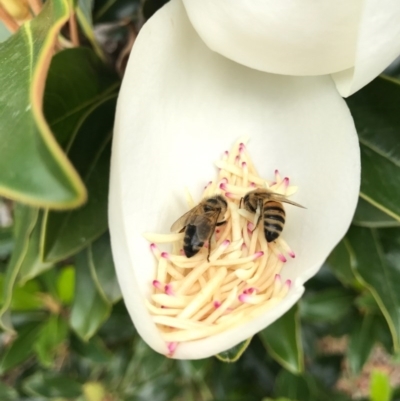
point(378, 45)
point(303, 37)
point(180, 107)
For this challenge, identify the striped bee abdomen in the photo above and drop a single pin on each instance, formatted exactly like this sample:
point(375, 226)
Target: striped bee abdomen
point(191, 242)
point(274, 220)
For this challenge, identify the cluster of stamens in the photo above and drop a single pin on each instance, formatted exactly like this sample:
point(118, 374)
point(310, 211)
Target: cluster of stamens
point(201, 296)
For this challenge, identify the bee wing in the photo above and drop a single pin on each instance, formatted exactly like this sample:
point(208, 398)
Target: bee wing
point(282, 198)
point(183, 221)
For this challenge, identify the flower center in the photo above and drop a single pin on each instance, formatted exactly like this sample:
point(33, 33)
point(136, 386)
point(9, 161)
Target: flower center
point(234, 278)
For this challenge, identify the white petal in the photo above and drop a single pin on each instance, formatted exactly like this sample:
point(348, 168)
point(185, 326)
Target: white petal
point(303, 37)
point(180, 107)
point(378, 45)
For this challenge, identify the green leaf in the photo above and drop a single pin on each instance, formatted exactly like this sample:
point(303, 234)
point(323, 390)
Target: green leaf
point(53, 333)
point(94, 349)
point(102, 268)
point(65, 234)
point(25, 219)
point(52, 385)
point(24, 298)
point(66, 285)
point(376, 266)
point(7, 393)
point(68, 102)
point(283, 341)
point(330, 306)
point(368, 215)
point(32, 265)
point(375, 112)
point(33, 168)
point(115, 10)
point(361, 343)
point(380, 389)
point(6, 241)
point(294, 387)
point(89, 309)
point(339, 261)
point(233, 354)
point(21, 348)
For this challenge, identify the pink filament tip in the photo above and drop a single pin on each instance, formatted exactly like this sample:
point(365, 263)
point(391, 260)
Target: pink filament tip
point(244, 164)
point(224, 180)
point(172, 347)
point(277, 277)
point(229, 195)
point(282, 258)
point(250, 226)
point(252, 184)
point(292, 254)
point(226, 243)
point(276, 172)
point(236, 159)
point(153, 247)
point(168, 289)
point(241, 145)
point(288, 283)
point(286, 181)
point(165, 255)
point(217, 304)
point(244, 246)
point(163, 307)
point(157, 284)
point(249, 291)
point(258, 254)
point(243, 298)
point(222, 186)
point(226, 153)
point(217, 231)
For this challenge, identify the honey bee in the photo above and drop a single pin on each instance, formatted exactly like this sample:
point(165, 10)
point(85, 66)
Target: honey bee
point(199, 224)
point(271, 210)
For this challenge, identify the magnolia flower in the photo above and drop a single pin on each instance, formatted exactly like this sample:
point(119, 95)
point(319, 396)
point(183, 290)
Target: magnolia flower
point(180, 106)
point(352, 40)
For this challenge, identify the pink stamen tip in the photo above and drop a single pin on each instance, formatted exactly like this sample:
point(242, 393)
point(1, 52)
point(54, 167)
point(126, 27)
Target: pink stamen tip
point(226, 152)
point(181, 251)
point(243, 298)
point(288, 283)
point(252, 184)
point(229, 195)
point(163, 307)
point(244, 246)
point(222, 186)
point(217, 231)
point(250, 226)
point(157, 284)
point(282, 258)
point(276, 172)
point(292, 254)
point(168, 290)
point(286, 181)
point(250, 290)
point(241, 145)
point(224, 180)
point(172, 347)
point(165, 255)
point(226, 243)
point(153, 246)
point(244, 164)
point(258, 254)
point(217, 304)
point(277, 277)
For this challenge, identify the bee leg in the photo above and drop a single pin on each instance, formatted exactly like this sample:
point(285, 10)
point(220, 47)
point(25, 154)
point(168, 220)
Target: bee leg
point(240, 203)
point(259, 217)
point(220, 223)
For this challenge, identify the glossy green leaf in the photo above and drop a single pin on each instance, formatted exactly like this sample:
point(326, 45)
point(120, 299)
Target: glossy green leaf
point(368, 215)
point(33, 169)
point(52, 334)
point(6, 241)
point(380, 389)
point(52, 385)
point(89, 309)
point(65, 234)
point(283, 341)
point(20, 349)
point(77, 82)
point(94, 349)
point(32, 264)
point(375, 112)
point(339, 261)
point(233, 354)
point(102, 268)
point(361, 343)
point(115, 10)
point(24, 298)
point(330, 305)
point(377, 256)
point(25, 220)
point(7, 393)
point(66, 285)
point(294, 387)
